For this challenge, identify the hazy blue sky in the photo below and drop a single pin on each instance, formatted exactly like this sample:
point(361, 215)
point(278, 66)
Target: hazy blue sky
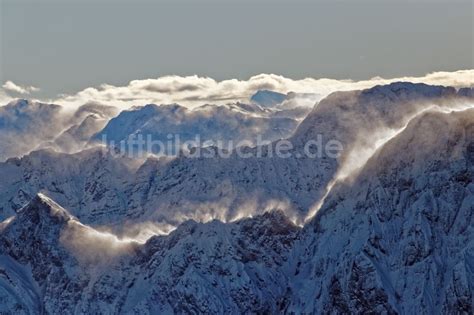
point(67, 46)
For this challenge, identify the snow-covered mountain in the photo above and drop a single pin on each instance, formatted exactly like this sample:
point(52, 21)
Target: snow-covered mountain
point(395, 238)
point(23, 124)
point(227, 124)
point(269, 99)
point(86, 121)
point(399, 238)
point(66, 267)
point(27, 125)
point(90, 183)
point(100, 188)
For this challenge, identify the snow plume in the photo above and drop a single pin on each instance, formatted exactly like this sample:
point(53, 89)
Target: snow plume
point(192, 91)
point(5, 223)
point(370, 143)
point(354, 161)
point(29, 125)
point(253, 206)
point(4, 97)
point(91, 246)
point(138, 232)
point(25, 125)
point(361, 153)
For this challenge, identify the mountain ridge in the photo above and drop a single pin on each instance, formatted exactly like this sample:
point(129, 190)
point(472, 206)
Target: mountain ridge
point(396, 238)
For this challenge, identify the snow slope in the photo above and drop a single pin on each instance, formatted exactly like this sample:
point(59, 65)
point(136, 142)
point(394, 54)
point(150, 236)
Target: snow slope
point(399, 237)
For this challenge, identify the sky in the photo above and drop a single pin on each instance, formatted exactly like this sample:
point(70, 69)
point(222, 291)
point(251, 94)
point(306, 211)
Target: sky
point(65, 47)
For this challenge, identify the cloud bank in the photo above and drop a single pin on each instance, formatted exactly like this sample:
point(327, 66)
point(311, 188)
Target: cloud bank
point(194, 90)
point(9, 86)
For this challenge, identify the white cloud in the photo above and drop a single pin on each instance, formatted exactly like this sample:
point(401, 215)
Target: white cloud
point(194, 90)
point(12, 87)
point(4, 97)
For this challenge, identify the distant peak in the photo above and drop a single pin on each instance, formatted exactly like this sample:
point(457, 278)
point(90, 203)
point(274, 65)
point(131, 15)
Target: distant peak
point(406, 89)
point(154, 108)
point(466, 92)
point(19, 102)
point(25, 105)
point(268, 98)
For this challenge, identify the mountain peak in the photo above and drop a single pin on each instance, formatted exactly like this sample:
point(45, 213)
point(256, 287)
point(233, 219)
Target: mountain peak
point(466, 92)
point(44, 207)
point(268, 98)
point(409, 90)
point(20, 101)
point(23, 103)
